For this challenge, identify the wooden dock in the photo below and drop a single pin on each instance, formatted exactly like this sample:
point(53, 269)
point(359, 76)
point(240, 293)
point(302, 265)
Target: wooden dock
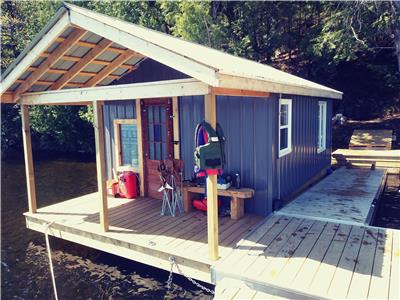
point(138, 232)
point(288, 257)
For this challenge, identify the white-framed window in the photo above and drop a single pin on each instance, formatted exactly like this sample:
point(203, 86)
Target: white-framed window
point(321, 126)
point(285, 126)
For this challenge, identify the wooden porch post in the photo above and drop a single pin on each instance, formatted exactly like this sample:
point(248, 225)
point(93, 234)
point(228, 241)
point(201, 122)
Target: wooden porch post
point(100, 163)
point(210, 110)
point(29, 171)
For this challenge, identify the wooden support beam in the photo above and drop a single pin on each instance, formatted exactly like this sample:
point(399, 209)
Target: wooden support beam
point(100, 163)
point(175, 114)
point(109, 68)
point(93, 45)
point(7, 98)
point(238, 92)
point(210, 111)
point(140, 144)
point(50, 61)
point(79, 66)
point(96, 62)
point(29, 171)
point(146, 90)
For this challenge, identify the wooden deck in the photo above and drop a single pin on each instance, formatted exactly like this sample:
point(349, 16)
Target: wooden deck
point(345, 196)
point(371, 139)
point(138, 232)
point(302, 258)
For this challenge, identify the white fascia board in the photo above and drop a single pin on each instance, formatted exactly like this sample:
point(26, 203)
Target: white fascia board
point(234, 82)
point(124, 38)
point(167, 88)
point(36, 51)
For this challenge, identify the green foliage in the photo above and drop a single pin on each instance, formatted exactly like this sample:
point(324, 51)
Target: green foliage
point(350, 46)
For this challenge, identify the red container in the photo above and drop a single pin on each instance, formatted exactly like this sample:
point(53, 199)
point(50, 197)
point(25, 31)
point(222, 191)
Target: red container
point(201, 204)
point(127, 185)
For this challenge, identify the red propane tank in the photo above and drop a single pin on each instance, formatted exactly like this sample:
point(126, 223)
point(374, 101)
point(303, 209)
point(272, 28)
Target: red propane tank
point(127, 185)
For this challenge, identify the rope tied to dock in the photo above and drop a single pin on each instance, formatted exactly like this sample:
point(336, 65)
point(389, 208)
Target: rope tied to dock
point(53, 279)
point(170, 277)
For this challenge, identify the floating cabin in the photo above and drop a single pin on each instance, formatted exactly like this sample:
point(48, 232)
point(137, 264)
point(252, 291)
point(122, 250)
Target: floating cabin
point(148, 91)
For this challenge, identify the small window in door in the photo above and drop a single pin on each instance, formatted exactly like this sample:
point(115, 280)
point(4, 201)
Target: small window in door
point(157, 127)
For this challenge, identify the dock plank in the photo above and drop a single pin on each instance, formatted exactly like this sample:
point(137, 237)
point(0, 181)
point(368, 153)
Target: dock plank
point(326, 270)
point(379, 286)
point(344, 271)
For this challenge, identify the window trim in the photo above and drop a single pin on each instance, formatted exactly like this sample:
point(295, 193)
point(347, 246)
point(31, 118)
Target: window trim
point(322, 135)
point(117, 142)
point(288, 149)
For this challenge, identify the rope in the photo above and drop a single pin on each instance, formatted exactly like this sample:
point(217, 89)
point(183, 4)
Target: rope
point(53, 279)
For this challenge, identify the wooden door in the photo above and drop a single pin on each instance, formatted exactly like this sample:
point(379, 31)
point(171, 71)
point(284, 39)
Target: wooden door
point(157, 134)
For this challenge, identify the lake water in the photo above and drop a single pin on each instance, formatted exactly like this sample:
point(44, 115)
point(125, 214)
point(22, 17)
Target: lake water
point(81, 273)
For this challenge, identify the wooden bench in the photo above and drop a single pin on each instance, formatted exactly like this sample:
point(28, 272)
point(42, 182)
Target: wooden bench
point(237, 198)
point(383, 158)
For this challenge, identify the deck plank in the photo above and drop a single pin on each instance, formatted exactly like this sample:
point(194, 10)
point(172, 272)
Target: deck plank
point(295, 262)
point(362, 272)
point(344, 271)
point(255, 269)
point(379, 286)
point(275, 266)
point(310, 266)
point(326, 270)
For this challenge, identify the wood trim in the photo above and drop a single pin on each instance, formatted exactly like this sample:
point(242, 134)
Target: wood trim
point(100, 163)
point(235, 82)
point(238, 92)
point(79, 66)
point(29, 170)
point(96, 62)
point(117, 138)
point(109, 68)
point(167, 88)
point(49, 61)
point(175, 113)
point(140, 145)
point(210, 115)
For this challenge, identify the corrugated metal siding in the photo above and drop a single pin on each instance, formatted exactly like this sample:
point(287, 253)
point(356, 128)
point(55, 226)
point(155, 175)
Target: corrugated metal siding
point(114, 110)
point(247, 124)
point(303, 162)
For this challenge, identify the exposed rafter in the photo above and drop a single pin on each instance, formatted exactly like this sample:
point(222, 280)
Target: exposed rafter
point(85, 60)
point(7, 98)
point(96, 62)
point(116, 63)
point(44, 82)
point(50, 61)
point(82, 73)
point(93, 45)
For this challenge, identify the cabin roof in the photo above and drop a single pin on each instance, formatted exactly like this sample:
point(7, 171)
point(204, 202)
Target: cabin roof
point(81, 48)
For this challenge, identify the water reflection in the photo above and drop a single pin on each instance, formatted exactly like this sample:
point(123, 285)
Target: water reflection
point(81, 273)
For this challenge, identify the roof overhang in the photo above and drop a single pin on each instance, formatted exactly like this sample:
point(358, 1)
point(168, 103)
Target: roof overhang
point(129, 40)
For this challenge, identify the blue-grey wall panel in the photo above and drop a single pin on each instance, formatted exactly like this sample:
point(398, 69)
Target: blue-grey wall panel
point(247, 126)
point(303, 162)
point(150, 70)
point(114, 110)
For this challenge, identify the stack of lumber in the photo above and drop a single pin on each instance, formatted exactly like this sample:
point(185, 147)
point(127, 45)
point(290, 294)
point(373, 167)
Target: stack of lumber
point(371, 139)
point(379, 158)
